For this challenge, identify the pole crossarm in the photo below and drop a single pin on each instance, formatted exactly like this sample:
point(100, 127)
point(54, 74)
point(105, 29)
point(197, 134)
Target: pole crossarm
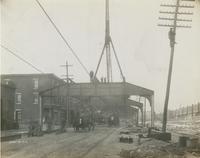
point(180, 6)
point(186, 20)
point(183, 13)
point(171, 26)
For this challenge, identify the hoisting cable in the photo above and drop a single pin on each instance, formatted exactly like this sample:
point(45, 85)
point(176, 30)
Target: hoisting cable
point(63, 38)
point(22, 59)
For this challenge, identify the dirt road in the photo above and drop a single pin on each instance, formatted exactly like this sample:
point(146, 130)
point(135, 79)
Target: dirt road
point(101, 143)
point(95, 144)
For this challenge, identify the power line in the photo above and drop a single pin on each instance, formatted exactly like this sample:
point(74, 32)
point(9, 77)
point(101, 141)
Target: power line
point(25, 61)
point(63, 38)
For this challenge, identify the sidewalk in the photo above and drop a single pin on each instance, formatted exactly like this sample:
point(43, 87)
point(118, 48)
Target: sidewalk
point(7, 135)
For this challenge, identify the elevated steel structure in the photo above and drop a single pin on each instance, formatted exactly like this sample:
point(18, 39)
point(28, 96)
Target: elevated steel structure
point(118, 89)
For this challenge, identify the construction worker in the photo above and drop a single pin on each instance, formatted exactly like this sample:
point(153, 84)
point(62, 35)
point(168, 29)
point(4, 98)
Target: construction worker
point(171, 35)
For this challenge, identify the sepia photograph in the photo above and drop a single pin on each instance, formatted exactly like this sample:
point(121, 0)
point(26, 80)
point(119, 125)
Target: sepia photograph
point(100, 78)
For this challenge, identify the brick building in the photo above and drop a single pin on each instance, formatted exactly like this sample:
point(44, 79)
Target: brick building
point(7, 106)
point(28, 86)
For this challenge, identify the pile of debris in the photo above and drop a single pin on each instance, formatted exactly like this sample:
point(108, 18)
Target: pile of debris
point(143, 153)
point(153, 143)
point(159, 149)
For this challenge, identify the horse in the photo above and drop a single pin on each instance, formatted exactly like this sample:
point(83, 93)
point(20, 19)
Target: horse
point(83, 123)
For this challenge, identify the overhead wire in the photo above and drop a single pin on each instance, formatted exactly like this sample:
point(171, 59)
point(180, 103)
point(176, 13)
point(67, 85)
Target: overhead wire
point(22, 59)
point(63, 38)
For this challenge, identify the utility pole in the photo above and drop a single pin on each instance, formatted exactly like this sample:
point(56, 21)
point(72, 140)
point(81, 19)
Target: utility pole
point(176, 19)
point(67, 92)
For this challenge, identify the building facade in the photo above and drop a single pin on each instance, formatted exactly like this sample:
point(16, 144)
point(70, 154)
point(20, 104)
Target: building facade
point(7, 106)
point(28, 86)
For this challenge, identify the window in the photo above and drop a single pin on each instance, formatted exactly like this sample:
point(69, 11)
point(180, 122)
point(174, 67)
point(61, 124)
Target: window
point(35, 98)
point(36, 83)
point(18, 115)
point(18, 98)
point(6, 80)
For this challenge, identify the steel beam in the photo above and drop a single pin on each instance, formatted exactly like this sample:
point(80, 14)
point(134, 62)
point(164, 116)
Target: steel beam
point(101, 89)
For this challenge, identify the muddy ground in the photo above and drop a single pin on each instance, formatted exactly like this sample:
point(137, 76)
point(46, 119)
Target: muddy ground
point(103, 142)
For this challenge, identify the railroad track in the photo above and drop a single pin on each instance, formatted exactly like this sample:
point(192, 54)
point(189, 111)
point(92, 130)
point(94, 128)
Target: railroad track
point(42, 148)
point(96, 144)
point(68, 149)
point(66, 146)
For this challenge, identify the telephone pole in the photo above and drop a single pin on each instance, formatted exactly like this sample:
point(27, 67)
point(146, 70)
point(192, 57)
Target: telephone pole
point(175, 23)
point(67, 92)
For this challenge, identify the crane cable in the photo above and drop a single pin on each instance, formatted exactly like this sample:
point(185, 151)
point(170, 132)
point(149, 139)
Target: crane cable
point(63, 38)
point(22, 59)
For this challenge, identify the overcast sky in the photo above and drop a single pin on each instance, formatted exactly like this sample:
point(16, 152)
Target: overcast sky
point(142, 47)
